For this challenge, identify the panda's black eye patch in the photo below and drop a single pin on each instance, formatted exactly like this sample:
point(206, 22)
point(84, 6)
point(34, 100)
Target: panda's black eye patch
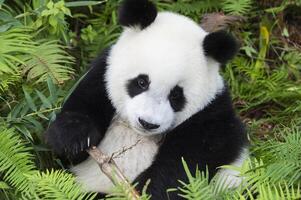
point(176, 98)
point(138, 85)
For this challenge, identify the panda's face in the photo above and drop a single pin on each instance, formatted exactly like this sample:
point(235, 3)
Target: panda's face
point(159, 77)
point(152, 106)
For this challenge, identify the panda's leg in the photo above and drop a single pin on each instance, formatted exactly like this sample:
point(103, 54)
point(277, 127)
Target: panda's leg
point(230, 178)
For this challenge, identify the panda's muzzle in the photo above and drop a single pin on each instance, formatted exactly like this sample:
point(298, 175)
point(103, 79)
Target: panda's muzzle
point(146, 125)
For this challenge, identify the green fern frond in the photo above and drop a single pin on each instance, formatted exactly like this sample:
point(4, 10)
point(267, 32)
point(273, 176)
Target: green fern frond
point(283, 157)
point(51, 185)
point(195, 7)
point(8, 80)
point(123, 193)
point(15, 160)
point(13, 43)
point(237, 7)
point(268, 191)
point(48, 59)
point(40, 60)
point(198, 186)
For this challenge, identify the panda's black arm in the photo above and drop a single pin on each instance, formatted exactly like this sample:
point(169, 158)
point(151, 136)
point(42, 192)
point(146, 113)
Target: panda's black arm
point(85, 116)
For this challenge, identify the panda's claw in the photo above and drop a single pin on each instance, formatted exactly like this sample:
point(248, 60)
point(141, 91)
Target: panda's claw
point(68, 137)
point(88, 141)
point(81, 147)
point(74, 150)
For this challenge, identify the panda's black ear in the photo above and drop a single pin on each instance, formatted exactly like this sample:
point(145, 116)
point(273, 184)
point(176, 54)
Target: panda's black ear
point(221, 46)
point(137, 13)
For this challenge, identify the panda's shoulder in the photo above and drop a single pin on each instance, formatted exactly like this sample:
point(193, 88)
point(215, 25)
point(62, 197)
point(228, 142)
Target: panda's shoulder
point(219, 108)
point(218, 118)
point(94, 79)
point(98, 66)
point(221, 104)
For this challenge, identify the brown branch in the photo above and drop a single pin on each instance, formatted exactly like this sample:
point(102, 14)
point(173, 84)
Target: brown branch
point(111, 170)
point(117, 154)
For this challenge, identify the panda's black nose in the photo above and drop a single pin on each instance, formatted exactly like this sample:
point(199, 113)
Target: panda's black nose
point(148, 126)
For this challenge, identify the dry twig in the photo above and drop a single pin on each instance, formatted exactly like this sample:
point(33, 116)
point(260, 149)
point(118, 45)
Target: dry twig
point(111, 170)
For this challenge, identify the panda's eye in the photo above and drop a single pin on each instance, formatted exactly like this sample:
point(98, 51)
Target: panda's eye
point(175, 95)
point(177, 99)
point(142, 83)
point(138, 85)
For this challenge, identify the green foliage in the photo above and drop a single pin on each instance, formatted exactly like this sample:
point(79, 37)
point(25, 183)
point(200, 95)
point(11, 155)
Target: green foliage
point(37, 105)
point(275, 176)
point(13, 42)
point(54, 16)
point(15, 160)
point(19, 171)
point(198, 186)
point(122, 193)
point(46, 44)
point(21, 56)
point(55, 185)
point(237, 7)
point(283, 157)
point(269, 94)
point(48, 59)
point(192, 7)
point(268, 192)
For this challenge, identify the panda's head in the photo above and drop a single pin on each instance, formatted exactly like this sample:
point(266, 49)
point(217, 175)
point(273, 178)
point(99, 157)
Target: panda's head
point(164, 67)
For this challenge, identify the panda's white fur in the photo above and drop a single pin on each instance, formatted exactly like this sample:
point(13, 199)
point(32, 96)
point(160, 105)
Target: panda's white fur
point(229, 178)
point(138, 154)
point(178, 59)
point(170, 51)
point(135, 160)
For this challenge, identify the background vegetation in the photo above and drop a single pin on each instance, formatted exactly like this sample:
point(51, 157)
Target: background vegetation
point(46, 45)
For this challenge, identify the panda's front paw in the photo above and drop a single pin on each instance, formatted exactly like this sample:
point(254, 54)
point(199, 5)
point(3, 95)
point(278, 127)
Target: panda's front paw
point(72, 133)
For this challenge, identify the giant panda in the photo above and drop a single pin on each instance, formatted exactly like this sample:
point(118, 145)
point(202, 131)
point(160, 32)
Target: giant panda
point(157, 90)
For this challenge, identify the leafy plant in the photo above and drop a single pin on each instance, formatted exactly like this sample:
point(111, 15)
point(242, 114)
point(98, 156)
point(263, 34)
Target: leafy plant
point(18, 171)
point(54, 15)
point(15, 160)
point(13, 43)
point(198, 186)
point(237, 7)
point(46, 44)
point(48, 59)
point(55, 185)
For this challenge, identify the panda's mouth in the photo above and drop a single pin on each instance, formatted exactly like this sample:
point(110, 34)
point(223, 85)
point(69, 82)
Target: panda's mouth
point(144, 132)
point(136, 128)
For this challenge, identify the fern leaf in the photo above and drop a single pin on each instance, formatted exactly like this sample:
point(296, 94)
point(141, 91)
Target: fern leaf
point(51, 185)
point(124, 193)
point(13, 43)
point(15, 160)
point(268, 191)
point(237, 7)
point(48, 59)
point(284, 158)
point(8, 80)
point(194, 7)
point(198, 186)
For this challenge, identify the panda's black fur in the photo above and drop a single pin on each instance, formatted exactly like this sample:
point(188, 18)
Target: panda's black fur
point(87, 112)
point(212, 137)
point(137, 13)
